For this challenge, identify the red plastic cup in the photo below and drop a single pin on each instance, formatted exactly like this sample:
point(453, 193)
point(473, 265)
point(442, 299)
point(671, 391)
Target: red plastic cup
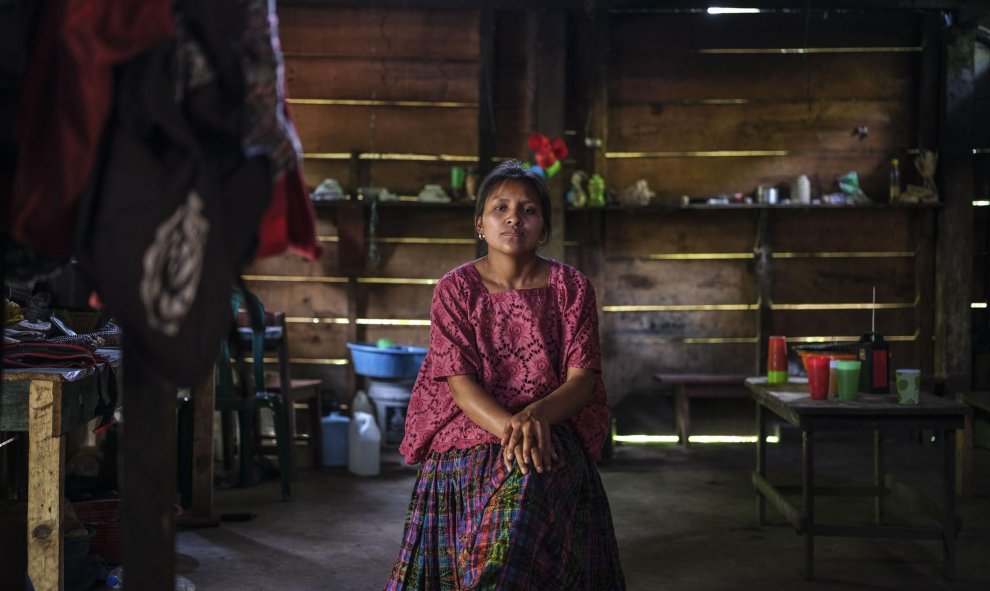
point(777, 360)
point(817, 367)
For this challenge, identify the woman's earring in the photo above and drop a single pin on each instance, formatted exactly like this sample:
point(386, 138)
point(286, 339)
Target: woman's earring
point(481, 236)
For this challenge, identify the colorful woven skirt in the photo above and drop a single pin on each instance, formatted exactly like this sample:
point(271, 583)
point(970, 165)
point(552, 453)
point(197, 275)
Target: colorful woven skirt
point(474, 525)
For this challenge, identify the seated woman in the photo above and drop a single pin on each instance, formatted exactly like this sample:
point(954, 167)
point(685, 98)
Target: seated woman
point(508, 416)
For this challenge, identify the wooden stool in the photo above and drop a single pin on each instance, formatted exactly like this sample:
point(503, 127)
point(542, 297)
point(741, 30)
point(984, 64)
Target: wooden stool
point(307, 394)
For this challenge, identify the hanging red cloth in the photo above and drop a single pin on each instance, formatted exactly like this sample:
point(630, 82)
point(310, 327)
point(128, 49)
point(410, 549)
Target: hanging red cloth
point(67, 96)
point(290, 221)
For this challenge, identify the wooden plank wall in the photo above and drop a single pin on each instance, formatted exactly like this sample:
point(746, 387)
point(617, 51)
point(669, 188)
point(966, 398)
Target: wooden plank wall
point(686, 85)
point(411, 79)
point(692, 98)
point(402, 84)
point(705, 105)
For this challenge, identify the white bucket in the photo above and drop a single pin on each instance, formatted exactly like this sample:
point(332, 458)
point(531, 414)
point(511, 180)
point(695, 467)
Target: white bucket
point(391, 398)
point(364, 445)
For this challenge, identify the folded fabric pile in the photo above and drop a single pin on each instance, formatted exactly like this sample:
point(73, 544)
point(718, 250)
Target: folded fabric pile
point(26, 331)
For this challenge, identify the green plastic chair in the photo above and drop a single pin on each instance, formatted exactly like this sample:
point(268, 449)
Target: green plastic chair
point(247, 400)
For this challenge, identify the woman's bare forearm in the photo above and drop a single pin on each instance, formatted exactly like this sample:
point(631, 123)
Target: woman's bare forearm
point(478, 404)
point(567, 400)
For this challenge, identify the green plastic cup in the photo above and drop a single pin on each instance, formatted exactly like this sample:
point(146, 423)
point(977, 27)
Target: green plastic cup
point(848, 372)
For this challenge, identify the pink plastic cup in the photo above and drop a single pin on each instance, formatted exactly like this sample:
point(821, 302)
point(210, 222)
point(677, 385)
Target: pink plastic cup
point(818, 377)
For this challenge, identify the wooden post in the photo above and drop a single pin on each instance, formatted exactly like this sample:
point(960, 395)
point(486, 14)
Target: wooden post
point(351, 245)
point(46, 482)
point(924, 283)
point(928, 80)
point(545, 95)
point(203, 402)
point(352, 332)
point(764, 277)
point(954, 250)
point(486, 89)
point(148, 510)
point(591, 50)
point(928, 120)
point(354, 174)
point(486, 101)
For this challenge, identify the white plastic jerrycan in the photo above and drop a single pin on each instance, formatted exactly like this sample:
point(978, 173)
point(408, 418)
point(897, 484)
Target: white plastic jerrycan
point(364, 445)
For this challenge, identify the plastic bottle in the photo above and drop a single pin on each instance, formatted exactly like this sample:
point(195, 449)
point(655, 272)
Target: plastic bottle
point(596, 191)
point(362, 403)
point(801, 190)
point(115, 580)
point(364, 445)
point(335, 433)
point(895, 180)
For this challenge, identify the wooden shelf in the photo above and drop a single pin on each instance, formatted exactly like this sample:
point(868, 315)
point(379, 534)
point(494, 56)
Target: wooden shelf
point(752, 206)
point(395, 204)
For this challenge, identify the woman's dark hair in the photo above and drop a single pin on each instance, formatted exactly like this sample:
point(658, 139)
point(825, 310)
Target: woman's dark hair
point(513, 170)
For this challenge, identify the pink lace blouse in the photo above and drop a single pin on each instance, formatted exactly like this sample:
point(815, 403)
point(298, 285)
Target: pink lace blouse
point(516, 344)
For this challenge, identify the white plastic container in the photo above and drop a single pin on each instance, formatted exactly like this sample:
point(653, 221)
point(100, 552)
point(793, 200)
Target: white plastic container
point(361, 403)
point(801, 190)
point(364, 445)
point(391, 398)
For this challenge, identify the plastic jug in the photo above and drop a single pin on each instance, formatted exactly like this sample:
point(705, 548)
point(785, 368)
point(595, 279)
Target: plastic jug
point(336, 429)
point(364, 445)
point(362, 403)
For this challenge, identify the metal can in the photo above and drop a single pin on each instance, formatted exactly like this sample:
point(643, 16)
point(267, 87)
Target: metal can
point(770, 193)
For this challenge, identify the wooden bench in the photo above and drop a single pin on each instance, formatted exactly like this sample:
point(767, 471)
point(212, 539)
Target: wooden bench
point(686, 386)
point(976, 431)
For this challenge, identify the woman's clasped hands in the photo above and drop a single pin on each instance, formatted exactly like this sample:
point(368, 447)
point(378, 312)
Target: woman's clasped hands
point(526, 439)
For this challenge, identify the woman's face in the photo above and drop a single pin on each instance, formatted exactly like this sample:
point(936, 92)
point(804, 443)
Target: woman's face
point(512, 222)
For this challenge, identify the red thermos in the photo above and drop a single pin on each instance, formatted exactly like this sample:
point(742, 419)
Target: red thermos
point(874, 376)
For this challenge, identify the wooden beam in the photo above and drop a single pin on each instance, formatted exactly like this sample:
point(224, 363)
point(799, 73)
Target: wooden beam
point(353, 333)
point(770, 493)
point(924, 282)
point(486, 90)
point(954, 249)
point(46, 483)
point(351, 243)
point(776, 5)
point(576, 5)
point(928, 81)
point(440, 4)
point(203, 402)
point(764, 277)
point(591, 49)
point(545, 94)
point(148, 488)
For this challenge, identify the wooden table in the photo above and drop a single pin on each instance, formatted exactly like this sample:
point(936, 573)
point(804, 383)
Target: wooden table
point(697, 385)
point(871, 412)
point(47, 403)
point(974, 433)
